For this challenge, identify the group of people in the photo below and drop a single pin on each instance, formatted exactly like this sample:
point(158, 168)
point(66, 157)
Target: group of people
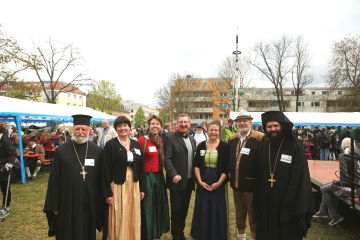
point(118, 186)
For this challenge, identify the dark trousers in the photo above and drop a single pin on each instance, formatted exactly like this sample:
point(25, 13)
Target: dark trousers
point(3, 190)
point(179, 201)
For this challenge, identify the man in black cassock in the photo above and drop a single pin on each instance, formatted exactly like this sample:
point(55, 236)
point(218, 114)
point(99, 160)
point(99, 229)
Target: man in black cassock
point(283, 193)
point(71, 204)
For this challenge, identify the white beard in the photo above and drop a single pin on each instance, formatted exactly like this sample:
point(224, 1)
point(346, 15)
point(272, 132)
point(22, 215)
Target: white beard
point(80, 138)
point(244, 129)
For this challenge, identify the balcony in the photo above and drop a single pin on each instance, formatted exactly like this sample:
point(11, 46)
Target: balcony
point(203, 110)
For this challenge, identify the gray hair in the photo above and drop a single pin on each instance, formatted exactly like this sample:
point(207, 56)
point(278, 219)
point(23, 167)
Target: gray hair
point(182, 115)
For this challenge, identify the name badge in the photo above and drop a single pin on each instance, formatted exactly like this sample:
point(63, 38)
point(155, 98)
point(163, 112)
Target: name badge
point(137, 151)
point(285, 158)
point(152, 149)
point(245, 151)
point(89, 162)
point(130, 156)
point(202, 152)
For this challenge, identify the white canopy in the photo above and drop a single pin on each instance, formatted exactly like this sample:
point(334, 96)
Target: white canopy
point(18, 111)
point(39, 112)
point(336, 119)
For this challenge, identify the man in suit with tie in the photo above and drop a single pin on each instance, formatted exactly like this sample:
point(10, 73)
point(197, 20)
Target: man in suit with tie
point(179, 150)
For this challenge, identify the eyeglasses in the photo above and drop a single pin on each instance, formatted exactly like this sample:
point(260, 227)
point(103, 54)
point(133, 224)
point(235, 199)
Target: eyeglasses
point(183, 122)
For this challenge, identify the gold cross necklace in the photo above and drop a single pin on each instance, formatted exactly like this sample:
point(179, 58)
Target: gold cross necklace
point(272, 180)
point(82, 167)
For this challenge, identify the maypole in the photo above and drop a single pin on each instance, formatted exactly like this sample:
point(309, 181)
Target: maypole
point(237, 77)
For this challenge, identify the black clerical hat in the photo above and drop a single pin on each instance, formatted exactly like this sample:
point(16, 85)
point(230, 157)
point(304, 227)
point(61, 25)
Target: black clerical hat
point(32, 138)
point(280, 117)
point(81, 119)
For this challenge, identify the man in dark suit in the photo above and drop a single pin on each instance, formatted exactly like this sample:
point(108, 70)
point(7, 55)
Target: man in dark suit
point(179, 150)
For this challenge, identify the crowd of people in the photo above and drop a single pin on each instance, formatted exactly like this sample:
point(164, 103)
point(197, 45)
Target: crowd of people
point(130, 189)
point(115, 180)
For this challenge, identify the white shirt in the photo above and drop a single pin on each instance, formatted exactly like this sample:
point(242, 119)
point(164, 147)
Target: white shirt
point(200, 137)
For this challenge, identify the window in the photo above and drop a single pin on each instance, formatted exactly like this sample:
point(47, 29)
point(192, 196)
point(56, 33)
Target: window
point(223, 94)
point(68, 94)
point(80, 97)
point(223, 105)
point(312, 92)
point(199, 105)
point(339, 92)
point(68, 104)
point(131, 116)
point(274, 104)
point(74, 104)
point(300, 104)
point(208, 116)
point(198, 116)
point(74, 96)
point(132, 110)
point(222, 116)
point(325, 92)
point(315, 104)
point(219, 84)
point(189, 84)
point(204, 83)
point(199, 94)
point(292, 92)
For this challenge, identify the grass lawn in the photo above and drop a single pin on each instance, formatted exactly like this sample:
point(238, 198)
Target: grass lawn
point(27, 220)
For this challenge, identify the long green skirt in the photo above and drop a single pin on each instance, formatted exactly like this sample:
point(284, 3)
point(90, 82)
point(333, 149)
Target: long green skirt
point(155, 218)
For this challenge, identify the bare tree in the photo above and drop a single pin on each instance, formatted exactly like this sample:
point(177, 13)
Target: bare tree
point(272, 59)
point(344, 70)
point(301, 75)
point(178, 94)
point(59, 63)
point(226, 71)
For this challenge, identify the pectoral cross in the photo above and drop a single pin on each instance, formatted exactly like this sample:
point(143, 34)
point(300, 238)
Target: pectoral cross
point(83, 173)
point(271, 180)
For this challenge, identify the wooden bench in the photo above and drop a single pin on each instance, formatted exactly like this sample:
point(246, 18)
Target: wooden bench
point(47, 163)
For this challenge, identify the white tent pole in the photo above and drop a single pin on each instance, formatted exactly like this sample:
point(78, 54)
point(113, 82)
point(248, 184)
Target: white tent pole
point(64, 129)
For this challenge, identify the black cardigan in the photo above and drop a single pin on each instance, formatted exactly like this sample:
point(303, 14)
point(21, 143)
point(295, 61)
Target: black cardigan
point(114, 164)
point(223, 150)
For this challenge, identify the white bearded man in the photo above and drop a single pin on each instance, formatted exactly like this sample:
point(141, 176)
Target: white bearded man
point(71, 204)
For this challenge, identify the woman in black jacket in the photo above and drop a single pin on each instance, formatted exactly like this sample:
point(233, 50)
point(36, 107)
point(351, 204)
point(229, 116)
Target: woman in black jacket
point(211, 168)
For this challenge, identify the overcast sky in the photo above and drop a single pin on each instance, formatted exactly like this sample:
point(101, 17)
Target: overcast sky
point(138, 44)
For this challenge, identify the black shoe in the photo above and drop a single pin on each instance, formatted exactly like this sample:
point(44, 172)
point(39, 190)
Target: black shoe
point(184, 238)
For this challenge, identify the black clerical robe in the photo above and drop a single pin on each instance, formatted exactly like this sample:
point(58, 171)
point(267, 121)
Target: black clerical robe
point(285, 210)
point(75, 199)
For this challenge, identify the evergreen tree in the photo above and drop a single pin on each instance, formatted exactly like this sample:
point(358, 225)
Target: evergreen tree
point(139, 117)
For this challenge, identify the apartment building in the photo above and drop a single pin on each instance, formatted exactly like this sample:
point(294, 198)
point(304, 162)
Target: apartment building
point(311, 99)
point(132, 107)
point(204, 99)
point(73, 98)
point(210, 99)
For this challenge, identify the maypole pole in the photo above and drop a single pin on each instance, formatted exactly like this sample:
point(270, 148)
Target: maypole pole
point(236, 77)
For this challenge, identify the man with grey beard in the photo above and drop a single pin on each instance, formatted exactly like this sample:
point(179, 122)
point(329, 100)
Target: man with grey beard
point(243, 150)
point(71, 204)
